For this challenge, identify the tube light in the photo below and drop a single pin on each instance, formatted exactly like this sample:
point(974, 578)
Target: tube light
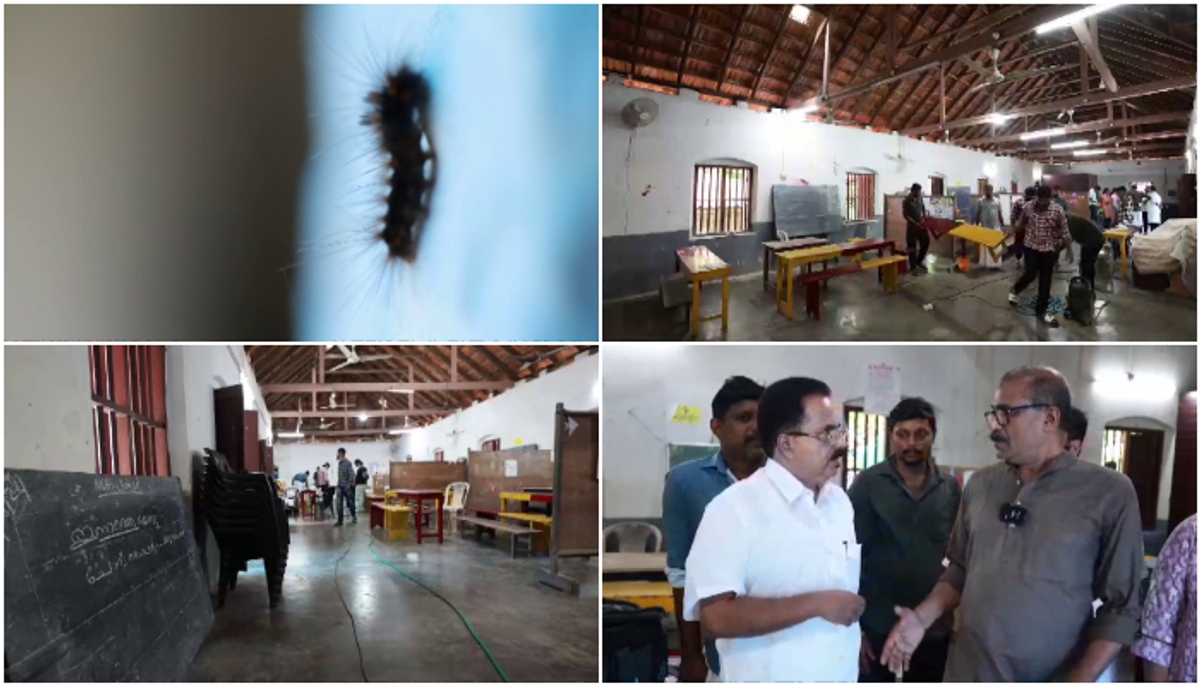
point(997, 119)
point(397, 432)
point(362, 417)
point(1046, 133)
point(1089, 153)
point(808, 109)
point(290, 434)
point(1072, 144)
point(400, 390)
point(1063, 22)
point(800, 13)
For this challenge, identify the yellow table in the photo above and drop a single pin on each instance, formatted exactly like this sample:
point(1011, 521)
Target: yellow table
point(992, 239)
point(1122, 236)
point(641, 593)
point(788, 261)
point(702, 265)
point(395, 518)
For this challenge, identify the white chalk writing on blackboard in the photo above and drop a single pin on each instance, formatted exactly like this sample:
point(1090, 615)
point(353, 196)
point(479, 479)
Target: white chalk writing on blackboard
point(105, 565)
point(108, 486)
point(83, 535)
point(15, 495)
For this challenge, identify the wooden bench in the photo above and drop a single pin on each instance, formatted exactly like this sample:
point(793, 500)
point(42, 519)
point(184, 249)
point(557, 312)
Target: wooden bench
point(395, 518)
point(889, 268)
point(515, 531)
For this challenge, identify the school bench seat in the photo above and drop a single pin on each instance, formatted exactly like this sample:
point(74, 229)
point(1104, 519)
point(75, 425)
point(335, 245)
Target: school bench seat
point(889, 269)
point(516, 532)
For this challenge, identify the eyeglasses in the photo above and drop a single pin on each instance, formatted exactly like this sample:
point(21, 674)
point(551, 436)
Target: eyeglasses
point(831, 436)
point(1013, 514)
point(1001, 415)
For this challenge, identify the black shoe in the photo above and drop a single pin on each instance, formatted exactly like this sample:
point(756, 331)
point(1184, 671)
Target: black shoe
point(354, 520)
point(337, 523)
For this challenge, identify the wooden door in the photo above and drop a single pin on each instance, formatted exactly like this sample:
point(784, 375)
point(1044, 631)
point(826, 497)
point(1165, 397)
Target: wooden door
point(1183, 475)
point(252, 457)
point(1143, 466)
point(230, 425)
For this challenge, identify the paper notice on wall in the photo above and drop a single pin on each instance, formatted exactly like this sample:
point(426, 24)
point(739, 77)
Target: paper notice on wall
point(510, 468)
point(685, 414)
point(883, 388)
point(519, 441)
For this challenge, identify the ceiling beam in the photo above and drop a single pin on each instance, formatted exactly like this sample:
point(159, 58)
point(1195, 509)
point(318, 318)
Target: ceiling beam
point(345, 433)
point(780, 31)
point(1044, 146)
point(897, 81)
point(1089, 99)
point(342, 414)
point(1139, 23)
point(1010, 31)
point(976, 26)
point(687, 45)
point(861, 100)
point(1085, 31)
point(795, 80)
point(496, 362)
point(737, 33)
point(1099, 125)
point(380, 387)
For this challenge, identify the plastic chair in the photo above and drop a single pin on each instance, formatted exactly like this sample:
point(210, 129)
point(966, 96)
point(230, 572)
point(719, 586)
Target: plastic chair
point(289, 499)
point(632, 537)
point(455, 501)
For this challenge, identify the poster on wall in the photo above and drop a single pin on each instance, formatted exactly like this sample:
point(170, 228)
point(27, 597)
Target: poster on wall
point(883, 388)
point(510, 468)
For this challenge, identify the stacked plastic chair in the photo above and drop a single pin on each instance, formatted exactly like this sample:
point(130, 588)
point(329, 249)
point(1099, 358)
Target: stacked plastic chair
point(247, 518)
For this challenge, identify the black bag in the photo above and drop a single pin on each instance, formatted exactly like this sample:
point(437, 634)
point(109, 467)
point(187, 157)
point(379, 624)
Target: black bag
point(635, 643)
point(1081, 301)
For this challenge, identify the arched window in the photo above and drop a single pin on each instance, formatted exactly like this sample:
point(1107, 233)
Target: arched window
point(722, 198)
point(860, 195)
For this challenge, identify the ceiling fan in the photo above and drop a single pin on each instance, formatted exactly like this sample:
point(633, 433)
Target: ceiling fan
point(995, 76)
point(352, 357)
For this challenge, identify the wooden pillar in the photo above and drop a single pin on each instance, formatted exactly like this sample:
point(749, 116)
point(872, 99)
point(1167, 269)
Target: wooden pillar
point(825, 72)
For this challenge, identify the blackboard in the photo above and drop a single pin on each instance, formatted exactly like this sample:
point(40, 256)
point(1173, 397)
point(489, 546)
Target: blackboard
point(101, 579)
point(678, 453)
point(806, 210)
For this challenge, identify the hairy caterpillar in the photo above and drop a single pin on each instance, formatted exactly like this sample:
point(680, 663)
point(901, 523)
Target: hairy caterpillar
point(504, 245)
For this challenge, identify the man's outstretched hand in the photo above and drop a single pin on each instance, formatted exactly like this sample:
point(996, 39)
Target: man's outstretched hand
point(903, 641)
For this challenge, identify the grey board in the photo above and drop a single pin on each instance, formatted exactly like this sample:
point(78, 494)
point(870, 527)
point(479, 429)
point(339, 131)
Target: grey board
point(101, 579)
point(962, 199)
point(806, 210)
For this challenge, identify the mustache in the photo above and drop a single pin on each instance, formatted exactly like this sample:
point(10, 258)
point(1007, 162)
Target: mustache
point(839, 454)
point(997, 437)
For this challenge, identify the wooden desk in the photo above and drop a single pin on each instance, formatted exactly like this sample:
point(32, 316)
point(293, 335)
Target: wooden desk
point(376, 515)
point(790, 260)
point(772, 248)
point(991, 239)
point(641, 593)
point(633, 563)
point(396, 519)
point(419, 496)
point(525, 497)
point(1121, 236)
point(702, 264)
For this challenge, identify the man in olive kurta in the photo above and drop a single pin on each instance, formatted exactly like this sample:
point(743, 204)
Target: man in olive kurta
point(904, 509)
point(1039, 537)
point(916, 237)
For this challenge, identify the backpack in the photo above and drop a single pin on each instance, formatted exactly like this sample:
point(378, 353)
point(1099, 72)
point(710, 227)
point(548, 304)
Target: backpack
point(1081, 301)
point(635, 643)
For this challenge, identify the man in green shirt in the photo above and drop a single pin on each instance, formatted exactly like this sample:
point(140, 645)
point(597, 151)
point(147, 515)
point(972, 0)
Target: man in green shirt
point(904, 510)
point(915, 235)
point(1091, 239)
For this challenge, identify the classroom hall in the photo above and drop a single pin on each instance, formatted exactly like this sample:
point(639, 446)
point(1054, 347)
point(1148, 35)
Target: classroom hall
point(822, 173)
point(327, 513)
point(731, 468)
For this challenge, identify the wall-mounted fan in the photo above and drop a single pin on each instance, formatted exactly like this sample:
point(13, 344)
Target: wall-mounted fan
point(640, 112)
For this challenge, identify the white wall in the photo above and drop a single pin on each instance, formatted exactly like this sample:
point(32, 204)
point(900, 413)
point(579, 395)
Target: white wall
point(785, 147)
point(524, 412)
point(193, 373)
point(48, 408)
point(1163, 174)
point(642, 381)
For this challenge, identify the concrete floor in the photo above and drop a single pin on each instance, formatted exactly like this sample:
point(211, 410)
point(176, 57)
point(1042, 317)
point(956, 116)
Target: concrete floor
point(406, 633)
point(966, 307)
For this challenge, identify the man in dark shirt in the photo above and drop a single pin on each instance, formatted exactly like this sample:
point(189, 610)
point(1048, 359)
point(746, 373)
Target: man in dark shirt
point(688, 490)
point(345, 488)
point(1076, 431)
point(904, 509)
point(1091, 240)
point(915, 235)
point(1039, 538)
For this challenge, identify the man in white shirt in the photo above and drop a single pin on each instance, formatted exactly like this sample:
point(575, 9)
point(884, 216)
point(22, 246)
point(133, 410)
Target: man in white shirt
point(1153, 208)
point(774, 569)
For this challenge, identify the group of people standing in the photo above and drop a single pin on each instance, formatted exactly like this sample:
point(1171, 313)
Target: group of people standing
point(1128, 206)
point(352, 481)
point(780, 575)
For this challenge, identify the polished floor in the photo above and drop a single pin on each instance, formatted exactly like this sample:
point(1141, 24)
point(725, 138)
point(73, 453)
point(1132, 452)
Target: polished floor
point(940, 306)
point(405, 633)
